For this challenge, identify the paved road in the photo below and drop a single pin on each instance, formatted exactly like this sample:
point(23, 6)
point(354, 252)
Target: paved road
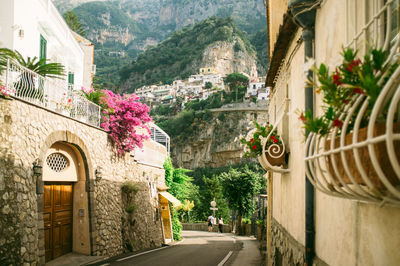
point(197, 248)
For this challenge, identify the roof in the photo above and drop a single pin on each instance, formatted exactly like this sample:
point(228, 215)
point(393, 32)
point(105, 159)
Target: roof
point(286, 34)
point(175, 202)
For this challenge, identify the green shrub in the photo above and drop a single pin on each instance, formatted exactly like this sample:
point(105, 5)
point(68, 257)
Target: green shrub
point(131, 208)
point(129, 187)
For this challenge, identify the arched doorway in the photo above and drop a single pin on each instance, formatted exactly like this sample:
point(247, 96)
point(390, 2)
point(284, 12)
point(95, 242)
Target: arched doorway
point(65, 202)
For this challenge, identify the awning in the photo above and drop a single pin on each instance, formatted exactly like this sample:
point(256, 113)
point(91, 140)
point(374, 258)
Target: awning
point(175, 202)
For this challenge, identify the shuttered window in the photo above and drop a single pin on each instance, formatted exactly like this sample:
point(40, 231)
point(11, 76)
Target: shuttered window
point(43, 48)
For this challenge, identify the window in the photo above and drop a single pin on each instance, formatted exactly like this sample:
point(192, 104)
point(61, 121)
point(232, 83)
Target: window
point(43, 48)
point(71, 78)
point(372, 23)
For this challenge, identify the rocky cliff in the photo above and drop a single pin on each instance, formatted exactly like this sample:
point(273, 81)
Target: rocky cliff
point(214, 42)
point(218, 143)
point(228, 57)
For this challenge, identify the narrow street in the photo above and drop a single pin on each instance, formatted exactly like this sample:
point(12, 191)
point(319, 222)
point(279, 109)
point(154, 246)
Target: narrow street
point(197, 248)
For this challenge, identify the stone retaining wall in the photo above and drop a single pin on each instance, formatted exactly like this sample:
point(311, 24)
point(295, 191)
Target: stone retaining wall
point(26, 133)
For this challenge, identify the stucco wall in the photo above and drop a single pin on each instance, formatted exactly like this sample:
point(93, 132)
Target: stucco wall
point(346, 232)
point(35, 18)
point(27, 132)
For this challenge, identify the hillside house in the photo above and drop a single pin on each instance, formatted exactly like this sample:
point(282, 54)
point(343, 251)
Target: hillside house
point(315, 216)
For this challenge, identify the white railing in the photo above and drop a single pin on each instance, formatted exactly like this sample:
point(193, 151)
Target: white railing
point(50, 93)
point(159, 136)
point(365, 163)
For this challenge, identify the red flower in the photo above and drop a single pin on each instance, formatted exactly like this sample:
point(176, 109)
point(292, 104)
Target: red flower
point(302, 117)
point(358, 90)
point(353, 64)
point(338, 123)
point(336, 78)
point(254, 147)
point(69, 100)
point(275, 140)
point(272, 137)
point(252, 140)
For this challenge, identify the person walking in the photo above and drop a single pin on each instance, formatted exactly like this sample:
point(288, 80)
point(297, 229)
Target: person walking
point(210, 223)
point(220, 223)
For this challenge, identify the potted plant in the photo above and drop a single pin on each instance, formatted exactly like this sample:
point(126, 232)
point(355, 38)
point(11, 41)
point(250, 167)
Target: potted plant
point(273, 146)
point(353, 82)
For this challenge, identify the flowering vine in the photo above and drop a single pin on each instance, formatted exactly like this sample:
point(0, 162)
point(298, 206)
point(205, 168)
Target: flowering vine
point(124, 117)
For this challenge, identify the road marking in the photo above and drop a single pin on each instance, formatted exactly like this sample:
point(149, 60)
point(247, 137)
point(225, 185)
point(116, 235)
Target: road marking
point(142, 253)
point(225, 259)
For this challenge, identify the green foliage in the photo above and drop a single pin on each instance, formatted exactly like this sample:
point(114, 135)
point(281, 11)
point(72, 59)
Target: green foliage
point(176, 225)
point(129, 187)
point(180, 55)
point(41, 67)
point(253, 141)
point(73, 22)
point(237, 84)
point(260, 42)
point(208, 85)
point(240, 187)
point(182, 188)
point(354, 77)
point(246, 221)
point(131, 208)
point(210, 183)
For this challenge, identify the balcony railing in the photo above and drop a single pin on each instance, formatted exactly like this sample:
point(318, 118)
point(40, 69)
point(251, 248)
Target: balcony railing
point(159, 136)
point(51, 93)
point(365, 163)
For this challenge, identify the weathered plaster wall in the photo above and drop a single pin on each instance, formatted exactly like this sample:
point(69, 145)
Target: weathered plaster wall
point(27, 132)
point(346, 232)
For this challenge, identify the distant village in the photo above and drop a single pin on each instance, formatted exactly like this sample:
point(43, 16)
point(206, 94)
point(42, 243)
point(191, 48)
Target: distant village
point(199, 87)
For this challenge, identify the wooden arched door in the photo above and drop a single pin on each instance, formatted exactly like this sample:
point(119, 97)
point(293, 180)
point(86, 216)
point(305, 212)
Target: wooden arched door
point(57, 217)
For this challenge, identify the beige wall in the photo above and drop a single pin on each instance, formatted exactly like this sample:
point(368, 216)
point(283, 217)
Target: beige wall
point(288, 189)
point(347, 232)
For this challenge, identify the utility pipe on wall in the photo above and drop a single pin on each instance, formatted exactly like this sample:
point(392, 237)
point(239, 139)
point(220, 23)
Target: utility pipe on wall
point(303, 12)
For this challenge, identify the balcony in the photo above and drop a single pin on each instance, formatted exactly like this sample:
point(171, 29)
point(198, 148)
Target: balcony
point(50, 93)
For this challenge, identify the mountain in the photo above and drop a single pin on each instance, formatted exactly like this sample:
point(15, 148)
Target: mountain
point(128, 27)
point(214, 42)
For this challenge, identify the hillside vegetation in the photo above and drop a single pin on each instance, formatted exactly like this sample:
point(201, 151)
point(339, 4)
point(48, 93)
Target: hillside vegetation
point(180, 55)
point(133, 26)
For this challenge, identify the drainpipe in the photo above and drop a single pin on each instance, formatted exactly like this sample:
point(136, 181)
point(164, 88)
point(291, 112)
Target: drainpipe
point(303, 12)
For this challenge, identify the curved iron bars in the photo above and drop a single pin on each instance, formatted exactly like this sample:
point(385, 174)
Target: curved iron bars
point(274, 151)
point(327, 157)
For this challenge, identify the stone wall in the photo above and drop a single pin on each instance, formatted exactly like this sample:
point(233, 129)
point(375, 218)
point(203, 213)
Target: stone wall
point(26, 133)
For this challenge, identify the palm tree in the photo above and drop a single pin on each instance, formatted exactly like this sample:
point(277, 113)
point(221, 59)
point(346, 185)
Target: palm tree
point(73, 22)
point(26, 79)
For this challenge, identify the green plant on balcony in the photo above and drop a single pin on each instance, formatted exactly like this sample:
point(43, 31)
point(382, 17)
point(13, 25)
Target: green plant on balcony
point(338, 88)
point(27, 79)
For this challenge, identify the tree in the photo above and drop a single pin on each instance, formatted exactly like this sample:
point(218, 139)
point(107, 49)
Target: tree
point(73, 22)
point(237, 82)
point(208, 85)
point(240, 188)
point(182, 188)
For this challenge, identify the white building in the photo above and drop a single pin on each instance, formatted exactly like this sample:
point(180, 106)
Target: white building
point(35, 28)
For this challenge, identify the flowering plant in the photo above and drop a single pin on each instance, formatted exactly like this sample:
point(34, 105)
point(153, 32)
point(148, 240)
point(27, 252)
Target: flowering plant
point(351, 78)
point(66, 102)
point(254, 137)
point(5, 92)
point(122, 117)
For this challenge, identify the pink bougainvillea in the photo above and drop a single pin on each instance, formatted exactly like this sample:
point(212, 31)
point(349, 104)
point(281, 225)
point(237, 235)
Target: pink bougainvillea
point(122, 118)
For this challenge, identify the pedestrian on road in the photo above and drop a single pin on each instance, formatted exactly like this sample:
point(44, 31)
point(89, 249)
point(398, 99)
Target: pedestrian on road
point(210, 221)
point(220, 223)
